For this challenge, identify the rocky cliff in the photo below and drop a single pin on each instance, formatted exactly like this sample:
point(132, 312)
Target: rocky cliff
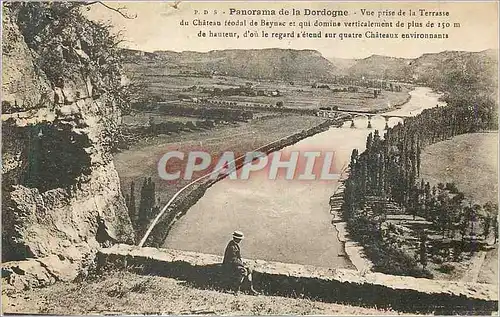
point(61, 196)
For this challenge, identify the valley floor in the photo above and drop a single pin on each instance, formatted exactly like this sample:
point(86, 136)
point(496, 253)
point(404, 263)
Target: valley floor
point(128, 293)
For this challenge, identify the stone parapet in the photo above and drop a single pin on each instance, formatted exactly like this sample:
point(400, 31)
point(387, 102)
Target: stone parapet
point(402, 293)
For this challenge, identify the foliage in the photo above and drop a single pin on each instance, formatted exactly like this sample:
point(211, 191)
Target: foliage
point(386, 256)
point(148, 206)
point(67, 44)
point(203, 112)
point(389, 169)
point(75, 52)
point(446, 268)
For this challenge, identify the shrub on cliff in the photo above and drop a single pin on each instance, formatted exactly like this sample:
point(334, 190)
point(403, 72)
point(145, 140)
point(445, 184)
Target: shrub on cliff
point(74, 53)
point(65, 40)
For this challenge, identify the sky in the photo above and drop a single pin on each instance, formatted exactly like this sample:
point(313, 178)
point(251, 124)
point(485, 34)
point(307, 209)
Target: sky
point(157, 26)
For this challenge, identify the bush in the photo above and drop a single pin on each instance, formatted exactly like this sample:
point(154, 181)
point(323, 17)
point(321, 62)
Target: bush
point(386, 257)
point(451, 187)
point(446, 268)
point(68, 47)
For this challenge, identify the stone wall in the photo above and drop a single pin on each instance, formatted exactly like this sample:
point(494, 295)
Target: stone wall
point(406, 294)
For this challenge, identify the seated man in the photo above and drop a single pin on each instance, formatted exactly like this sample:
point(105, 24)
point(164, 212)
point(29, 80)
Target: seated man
point(234, 265)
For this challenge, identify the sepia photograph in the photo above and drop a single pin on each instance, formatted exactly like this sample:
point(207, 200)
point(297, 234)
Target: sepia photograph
point(249, 158)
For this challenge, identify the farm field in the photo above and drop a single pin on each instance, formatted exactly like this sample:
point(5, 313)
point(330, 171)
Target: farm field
point(309, 99)
point(144, 118)
point(468, 160)
point(293, 94)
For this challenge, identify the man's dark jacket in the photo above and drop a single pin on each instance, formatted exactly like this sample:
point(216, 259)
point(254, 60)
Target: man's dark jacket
point(232, 256)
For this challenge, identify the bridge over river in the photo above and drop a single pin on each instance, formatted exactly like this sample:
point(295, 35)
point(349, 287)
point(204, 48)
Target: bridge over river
point(351, 115)
point(284, 220)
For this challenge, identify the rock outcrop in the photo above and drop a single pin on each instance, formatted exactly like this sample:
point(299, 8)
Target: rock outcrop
point(61, 195)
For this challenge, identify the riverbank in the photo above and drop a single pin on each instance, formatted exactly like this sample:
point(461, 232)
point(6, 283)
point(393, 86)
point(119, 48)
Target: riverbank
point(140, 161)
point(186, 200)
point(419, 99)
point(353, 250)
point(399, 105)
point(406, 241)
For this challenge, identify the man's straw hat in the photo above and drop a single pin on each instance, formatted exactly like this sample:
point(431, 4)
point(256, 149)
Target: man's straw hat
point(238, 235)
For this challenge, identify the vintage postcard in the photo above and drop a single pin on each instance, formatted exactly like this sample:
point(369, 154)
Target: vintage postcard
point(250, 158)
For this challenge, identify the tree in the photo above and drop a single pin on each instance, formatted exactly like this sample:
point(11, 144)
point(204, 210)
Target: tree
point(131, 205)
point(389, 169)
point(462, 226)
point(495, 229)
point(423, 250)
point(152, 125)
point(486, 226)
point(146, 204)
point(475, 212)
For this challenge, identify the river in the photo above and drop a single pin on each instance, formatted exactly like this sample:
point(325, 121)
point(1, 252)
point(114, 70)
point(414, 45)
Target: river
point(283, 220)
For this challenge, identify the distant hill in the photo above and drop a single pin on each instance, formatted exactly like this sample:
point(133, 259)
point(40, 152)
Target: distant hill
point(284, 64)
point(439, 68)
point(377, 66)
point(428, 68)
point(342, 64)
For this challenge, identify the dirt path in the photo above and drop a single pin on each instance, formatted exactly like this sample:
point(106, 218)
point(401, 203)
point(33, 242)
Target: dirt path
point(472, 273)
point(489, 270)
